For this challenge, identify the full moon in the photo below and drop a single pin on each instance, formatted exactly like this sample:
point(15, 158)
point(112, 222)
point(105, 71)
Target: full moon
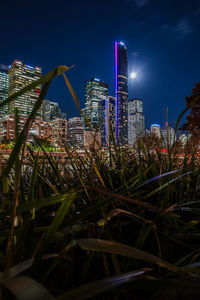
point(133, 75)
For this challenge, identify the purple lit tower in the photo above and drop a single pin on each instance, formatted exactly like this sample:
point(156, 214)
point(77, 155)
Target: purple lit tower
point(121, 93)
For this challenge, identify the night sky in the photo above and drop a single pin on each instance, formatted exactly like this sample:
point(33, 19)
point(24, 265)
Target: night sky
point(162, 37)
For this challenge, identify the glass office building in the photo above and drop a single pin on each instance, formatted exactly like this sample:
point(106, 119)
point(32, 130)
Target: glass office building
point(21, 75)
point(109, 119)
point(121, 93)
point(4, 83)
point(96, 92)
point(135, 120)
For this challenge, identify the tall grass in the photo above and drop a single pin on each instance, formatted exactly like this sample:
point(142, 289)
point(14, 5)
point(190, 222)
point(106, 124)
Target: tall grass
point(118, 226)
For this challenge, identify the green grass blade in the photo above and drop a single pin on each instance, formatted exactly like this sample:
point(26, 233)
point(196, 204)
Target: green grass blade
point(121, 249)
point(165, 185)
point(156, 177)
point(40, 203)
point(17, 269)
point(60, 214)
point(33, 180)
point(72, 91)
point(26, 288)
point(51, 162)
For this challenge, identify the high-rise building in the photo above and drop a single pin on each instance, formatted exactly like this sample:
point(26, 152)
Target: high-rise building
point(75, 132)
point(21, 75)
point(155, 130)
point(121, 93)
point(168, 136)
point(96, 92)
point(4, 83)
point(109, 119)
point(135, 120)
point(51, 111)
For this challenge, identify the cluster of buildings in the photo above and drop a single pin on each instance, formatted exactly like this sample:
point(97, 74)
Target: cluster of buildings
point(105, 118)
point(166, 135)
point(117, 118)
point(50, 123)
point(49, 118)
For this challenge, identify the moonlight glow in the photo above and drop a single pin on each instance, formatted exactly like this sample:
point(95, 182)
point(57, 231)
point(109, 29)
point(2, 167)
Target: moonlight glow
point(133, 75)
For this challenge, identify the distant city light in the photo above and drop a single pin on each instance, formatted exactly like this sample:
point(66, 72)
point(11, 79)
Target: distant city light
point(133, 75)
point(122, 44)
point(29, 66)
point(155, 125)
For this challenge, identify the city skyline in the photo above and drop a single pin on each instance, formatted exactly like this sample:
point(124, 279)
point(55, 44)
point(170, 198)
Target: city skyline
point(64, 115)
point(129, 78)
point(162, 42)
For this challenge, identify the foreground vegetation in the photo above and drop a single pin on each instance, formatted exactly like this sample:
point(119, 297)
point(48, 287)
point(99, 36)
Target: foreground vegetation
point(121, 226)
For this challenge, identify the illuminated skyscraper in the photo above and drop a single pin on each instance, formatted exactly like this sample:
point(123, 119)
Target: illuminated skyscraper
point(21, 75)
point(3, 88)
point(135, 120)
point(96, 92)
point(121, 93)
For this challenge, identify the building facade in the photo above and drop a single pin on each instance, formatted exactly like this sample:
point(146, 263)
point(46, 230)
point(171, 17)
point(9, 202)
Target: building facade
point(121, 93)
point(21, 75)
point(51, 111)
point(168, 136)
point(4, 84)
point(92, 140)
point(59, 132)
point(155, 130)
point(40, 129)
point(110, 120)
point(135, 120)
point(75, 132)
point(96, 92)
point(184, 138)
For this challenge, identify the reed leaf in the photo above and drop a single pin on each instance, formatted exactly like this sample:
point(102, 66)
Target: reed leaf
point(60, 214)
point(95, 288)
point(26, 288)
point(124, 250)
